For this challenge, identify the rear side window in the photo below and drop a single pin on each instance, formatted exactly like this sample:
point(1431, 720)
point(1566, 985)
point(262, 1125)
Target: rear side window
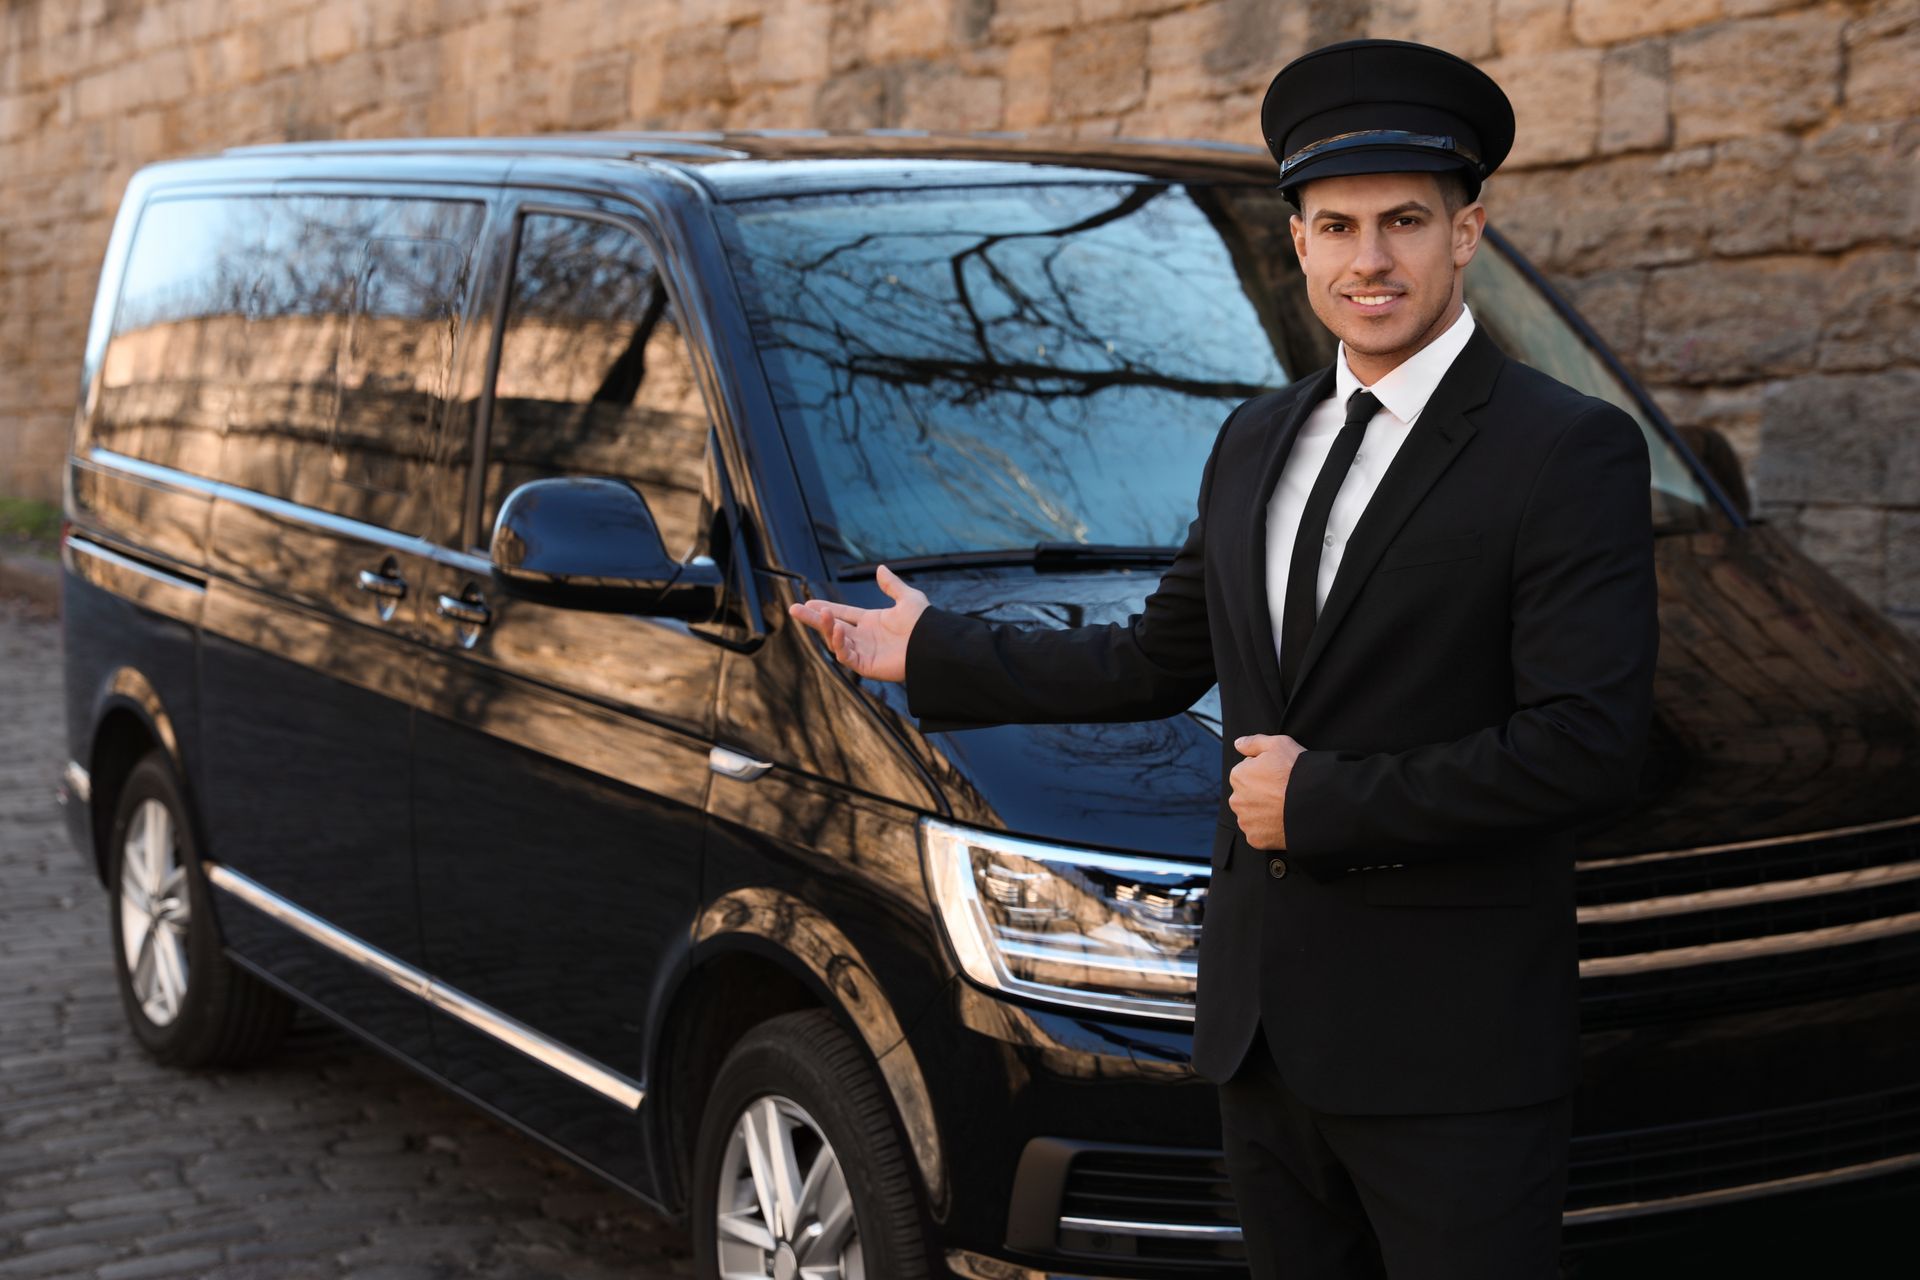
point(301, 347)
point(595, 377)
point(176, 358)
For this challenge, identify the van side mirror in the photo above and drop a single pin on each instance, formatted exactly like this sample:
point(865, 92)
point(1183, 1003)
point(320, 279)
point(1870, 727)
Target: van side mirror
point(1722, 463)
point(590, 542)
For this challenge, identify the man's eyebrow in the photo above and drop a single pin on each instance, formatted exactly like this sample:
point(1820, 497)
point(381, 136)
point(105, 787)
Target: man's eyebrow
point(1410, 206)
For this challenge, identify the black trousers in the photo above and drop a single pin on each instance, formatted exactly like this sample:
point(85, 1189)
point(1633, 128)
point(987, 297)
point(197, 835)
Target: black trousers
point(1473, 1196)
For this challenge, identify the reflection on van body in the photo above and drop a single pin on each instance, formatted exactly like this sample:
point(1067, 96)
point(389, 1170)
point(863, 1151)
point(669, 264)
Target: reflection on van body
point(613, 864)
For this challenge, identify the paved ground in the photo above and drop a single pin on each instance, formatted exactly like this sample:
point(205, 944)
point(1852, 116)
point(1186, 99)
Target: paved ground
point(335, 1162)
point(332, 1161)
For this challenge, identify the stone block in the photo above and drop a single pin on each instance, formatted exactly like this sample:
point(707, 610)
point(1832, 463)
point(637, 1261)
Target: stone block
point(1759, 75)
point(1100, 70)
point(1724, 321)
point(1883, 63)
point(1842, 439)
point(794, 41)
point(854, 100)
point(776, 106)
point(1611, 21)
point(1013, 19)
point(1611, 302)
point(906, 29)
point(939, 97)
point(335, 30)
point(1531, 26)
point(694, 68)
point(1028, 78)
point(1556, 104)
point(1746, 197)
point(1856, 184)
point(1633, 98)
point(1872, 311)
point(597, 91)
point(742, 55)
point(1465, 27)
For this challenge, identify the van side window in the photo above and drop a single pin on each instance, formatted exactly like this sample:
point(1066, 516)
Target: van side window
point(595, 377)
point(354, 318)
point(176, 355)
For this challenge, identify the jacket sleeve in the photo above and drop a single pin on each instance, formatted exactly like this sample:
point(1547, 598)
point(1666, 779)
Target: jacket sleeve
point(963, 673)
point(1584, 638)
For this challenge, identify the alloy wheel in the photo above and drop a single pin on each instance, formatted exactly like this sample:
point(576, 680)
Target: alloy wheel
point(154, 912)
point(784, 1209)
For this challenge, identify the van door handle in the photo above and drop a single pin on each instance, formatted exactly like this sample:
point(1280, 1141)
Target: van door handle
point(735, 764)
point(471, 612)
point(389, 585)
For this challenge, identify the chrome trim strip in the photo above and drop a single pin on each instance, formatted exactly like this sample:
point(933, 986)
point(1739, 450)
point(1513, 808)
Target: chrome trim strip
point(1839, 935)
point(79, 782)
point(482, 1017)
point(1750, 895)
point(1698, 850)
point(1154, 1230)
point(1748, 1191)
point(86, 546)
point(343, 526)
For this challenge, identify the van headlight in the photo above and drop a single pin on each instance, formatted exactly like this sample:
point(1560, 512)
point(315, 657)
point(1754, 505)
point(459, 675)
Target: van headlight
point(1109, 931)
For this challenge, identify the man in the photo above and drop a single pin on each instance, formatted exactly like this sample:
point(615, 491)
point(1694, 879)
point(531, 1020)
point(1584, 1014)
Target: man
point(1423, 579)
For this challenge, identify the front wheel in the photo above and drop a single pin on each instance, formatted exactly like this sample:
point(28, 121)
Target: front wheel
point(186, 1003)
point(799, 1173)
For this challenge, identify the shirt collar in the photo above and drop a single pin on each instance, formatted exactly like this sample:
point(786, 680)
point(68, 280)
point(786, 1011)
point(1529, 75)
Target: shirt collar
point(1405, 389)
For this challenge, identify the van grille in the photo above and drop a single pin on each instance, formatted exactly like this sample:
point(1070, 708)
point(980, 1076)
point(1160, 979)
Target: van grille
point(1754, 924)
point(1686, 1159)
point(1612, 1175)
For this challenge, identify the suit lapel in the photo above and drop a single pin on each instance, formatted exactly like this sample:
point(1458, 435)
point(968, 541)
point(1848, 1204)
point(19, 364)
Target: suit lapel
point(1275, 448)
point(1438, 434)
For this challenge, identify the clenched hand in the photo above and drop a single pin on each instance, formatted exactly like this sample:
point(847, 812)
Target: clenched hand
point(873, 642)
point(1259, 797)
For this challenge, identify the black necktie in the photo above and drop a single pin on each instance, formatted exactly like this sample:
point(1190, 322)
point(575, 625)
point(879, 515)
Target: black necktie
point(1303, 571)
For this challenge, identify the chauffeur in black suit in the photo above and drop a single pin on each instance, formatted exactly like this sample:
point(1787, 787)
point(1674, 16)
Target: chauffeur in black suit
point(1423, 579)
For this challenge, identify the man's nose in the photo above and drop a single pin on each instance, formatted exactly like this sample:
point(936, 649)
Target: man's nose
point(1372, 260)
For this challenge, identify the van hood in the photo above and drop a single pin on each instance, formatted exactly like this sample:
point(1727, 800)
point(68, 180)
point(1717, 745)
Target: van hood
point(1783, 704)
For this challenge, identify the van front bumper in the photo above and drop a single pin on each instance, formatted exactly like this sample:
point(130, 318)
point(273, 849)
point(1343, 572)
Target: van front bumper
point(1086, 1149)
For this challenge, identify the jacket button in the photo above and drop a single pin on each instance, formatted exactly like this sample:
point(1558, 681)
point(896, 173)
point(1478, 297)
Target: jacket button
point(1277, 867)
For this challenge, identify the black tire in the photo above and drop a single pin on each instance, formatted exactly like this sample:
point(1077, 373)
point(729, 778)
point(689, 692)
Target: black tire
point(226, 1016)
point(806, 1058)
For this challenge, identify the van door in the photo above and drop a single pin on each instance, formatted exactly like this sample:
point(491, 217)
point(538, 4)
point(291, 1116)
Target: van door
point(354, 313)
point(561, 757)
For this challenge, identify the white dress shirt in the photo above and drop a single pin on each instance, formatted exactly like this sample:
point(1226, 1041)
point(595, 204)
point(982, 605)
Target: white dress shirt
point(1403, 393)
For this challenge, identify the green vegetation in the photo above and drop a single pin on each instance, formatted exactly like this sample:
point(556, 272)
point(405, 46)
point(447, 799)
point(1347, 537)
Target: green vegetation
point(26, 525)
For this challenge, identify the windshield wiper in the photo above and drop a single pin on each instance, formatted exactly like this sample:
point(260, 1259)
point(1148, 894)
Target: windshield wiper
point(1043, 557)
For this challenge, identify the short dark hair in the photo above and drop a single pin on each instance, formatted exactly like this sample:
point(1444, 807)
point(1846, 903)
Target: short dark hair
point(1454, 192)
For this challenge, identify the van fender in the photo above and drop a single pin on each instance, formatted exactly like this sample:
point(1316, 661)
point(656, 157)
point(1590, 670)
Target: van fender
point(809, 944)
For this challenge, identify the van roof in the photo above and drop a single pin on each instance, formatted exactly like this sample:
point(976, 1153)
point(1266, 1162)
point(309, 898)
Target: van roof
point(744, 163)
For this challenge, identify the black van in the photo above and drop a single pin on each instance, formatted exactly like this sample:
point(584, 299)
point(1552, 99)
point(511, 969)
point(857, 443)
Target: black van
point(434, 510)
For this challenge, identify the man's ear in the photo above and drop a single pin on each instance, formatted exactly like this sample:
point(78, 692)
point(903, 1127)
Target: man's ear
point(1468, 225)
point(1298, 226)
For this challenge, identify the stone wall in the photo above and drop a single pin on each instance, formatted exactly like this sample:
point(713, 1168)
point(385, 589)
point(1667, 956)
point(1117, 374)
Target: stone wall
point(1729, 188)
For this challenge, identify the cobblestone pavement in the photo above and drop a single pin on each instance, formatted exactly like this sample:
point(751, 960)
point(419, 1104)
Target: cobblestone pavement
point(333, 1161)
point(329, 1161)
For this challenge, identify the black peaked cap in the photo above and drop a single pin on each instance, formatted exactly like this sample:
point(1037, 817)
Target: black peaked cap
point(1384, 106)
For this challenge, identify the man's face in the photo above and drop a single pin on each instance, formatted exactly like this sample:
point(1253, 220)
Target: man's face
point(1382, 259)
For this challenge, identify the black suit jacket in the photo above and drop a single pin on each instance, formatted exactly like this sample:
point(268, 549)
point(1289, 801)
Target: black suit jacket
point(1478, 681)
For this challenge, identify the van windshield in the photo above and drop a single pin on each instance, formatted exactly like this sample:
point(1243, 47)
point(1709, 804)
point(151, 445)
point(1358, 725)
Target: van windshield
point(971, 370)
